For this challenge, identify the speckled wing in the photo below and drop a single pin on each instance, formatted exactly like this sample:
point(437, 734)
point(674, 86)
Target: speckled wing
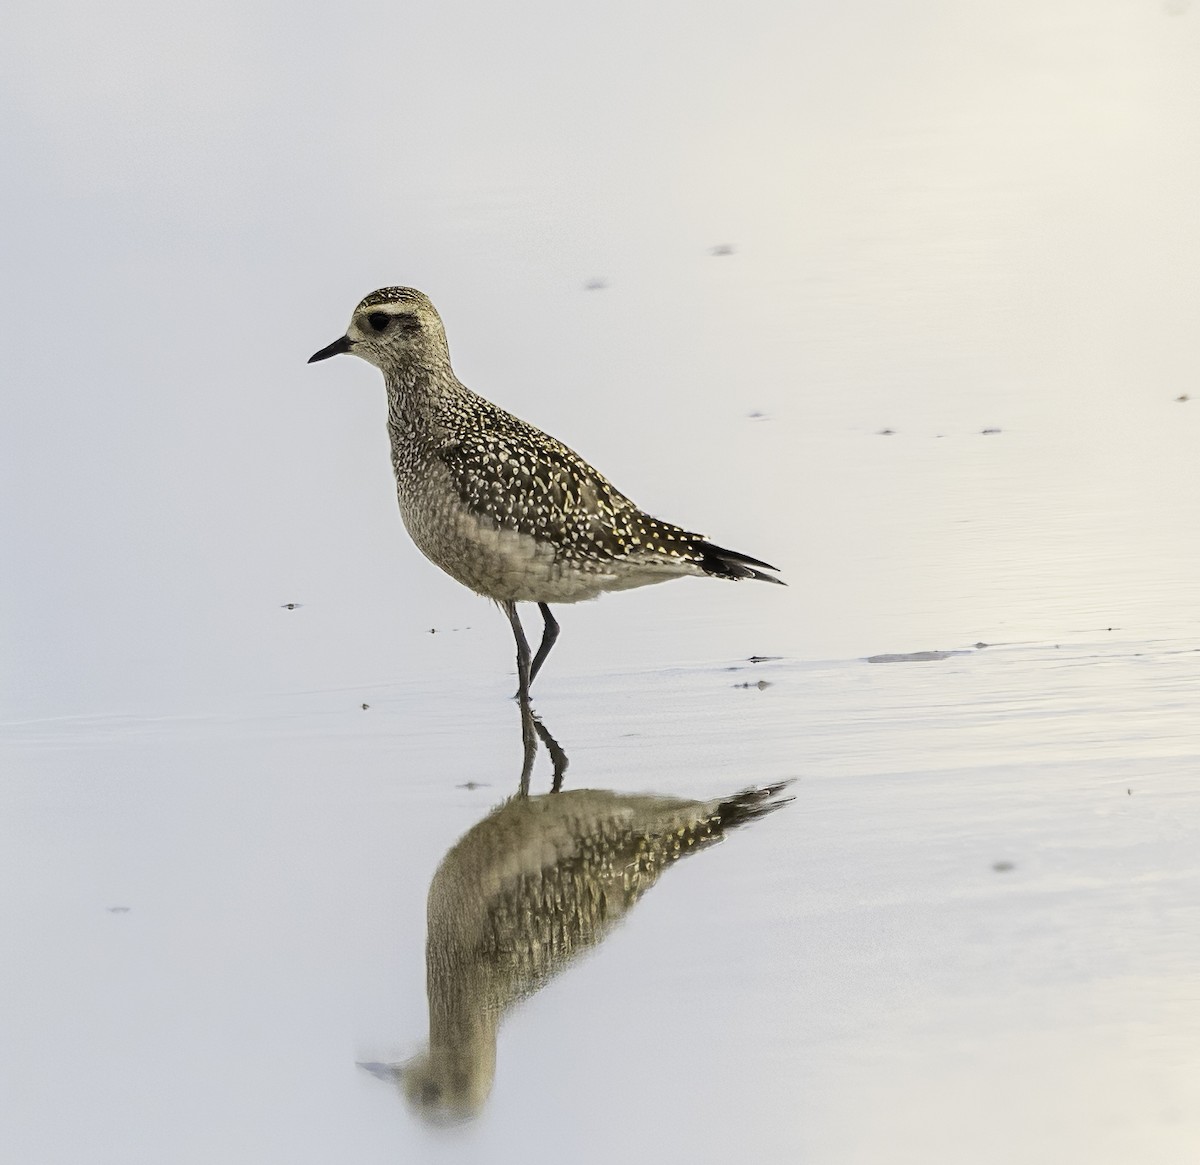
point(510, 472)
point(542, 879)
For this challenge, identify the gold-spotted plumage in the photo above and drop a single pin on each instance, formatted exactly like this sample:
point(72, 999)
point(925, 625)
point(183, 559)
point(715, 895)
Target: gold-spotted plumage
point(524, 892)
point(498, 504)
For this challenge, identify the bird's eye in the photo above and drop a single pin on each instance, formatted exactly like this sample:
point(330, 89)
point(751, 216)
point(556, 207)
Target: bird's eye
point(379, 320)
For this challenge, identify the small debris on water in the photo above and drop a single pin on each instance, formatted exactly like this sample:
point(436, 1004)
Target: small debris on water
point(365, 707)
point(1003, 867)
point(761, 685)
point(1182, 397)
point(721, 249)
point(118, 910)
point(913, 656)
point(763, 658)
point(979, 646)
point(988, 432)
point(473, 785)
point(886, 433)
point(291, 606)
point(595, 285)
point(755, 415)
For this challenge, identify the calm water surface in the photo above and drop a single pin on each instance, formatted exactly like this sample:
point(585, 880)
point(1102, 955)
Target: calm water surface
point(935, 381)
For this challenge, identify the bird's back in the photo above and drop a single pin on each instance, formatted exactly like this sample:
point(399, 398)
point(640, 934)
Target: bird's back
point(543, 878)
point(516, 514)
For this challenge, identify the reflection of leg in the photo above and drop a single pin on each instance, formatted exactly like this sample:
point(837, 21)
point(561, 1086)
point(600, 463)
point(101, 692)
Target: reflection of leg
point(529, 747)
point(528, 737)
point(549, 635)
point(557, 757)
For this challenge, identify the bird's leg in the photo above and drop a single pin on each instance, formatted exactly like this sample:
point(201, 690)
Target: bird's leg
point(549, 635)
point(528, 735)
point(524, 676)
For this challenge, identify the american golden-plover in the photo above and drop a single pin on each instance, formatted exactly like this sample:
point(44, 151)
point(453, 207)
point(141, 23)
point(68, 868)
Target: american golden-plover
point(535, 884)
point(496, 503)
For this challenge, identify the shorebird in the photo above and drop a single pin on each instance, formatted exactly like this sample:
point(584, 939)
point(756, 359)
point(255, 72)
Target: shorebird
point(529, 888)
point(496, 503)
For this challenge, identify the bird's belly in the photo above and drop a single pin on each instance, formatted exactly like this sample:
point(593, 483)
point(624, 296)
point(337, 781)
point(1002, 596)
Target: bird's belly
point(502, 564)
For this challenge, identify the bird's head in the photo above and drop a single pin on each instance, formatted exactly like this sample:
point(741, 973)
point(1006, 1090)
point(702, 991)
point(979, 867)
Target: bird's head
point(393, 328)
point(443, 1085)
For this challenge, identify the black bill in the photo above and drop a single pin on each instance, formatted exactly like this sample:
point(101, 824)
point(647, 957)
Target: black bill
point(340, 345)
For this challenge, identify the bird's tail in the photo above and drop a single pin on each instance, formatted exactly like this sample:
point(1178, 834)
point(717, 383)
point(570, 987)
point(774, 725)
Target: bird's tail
point(722, 563)
point(751, 804)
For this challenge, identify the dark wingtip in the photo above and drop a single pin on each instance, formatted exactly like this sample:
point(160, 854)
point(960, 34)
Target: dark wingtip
point(732, 564)
point(751, 804)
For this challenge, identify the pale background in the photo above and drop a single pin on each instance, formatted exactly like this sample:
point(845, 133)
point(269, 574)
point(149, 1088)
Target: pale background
point(945, 218)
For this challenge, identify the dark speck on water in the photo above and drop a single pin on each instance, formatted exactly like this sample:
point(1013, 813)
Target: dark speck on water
point(118, 910)
point(988, 432)
point(913, 656)
point(886, 433)
point(760, 685)
point(291, 606)
point(763, 658)
point(1003, 867)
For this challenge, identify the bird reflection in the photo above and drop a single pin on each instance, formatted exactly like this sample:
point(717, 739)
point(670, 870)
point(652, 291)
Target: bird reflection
point(534, 884)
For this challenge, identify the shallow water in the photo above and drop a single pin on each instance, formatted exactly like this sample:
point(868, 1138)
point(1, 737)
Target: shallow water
point(973, 923)
point(935, 381)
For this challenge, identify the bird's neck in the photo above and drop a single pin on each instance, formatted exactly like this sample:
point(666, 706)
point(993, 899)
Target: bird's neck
point(419, 396)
